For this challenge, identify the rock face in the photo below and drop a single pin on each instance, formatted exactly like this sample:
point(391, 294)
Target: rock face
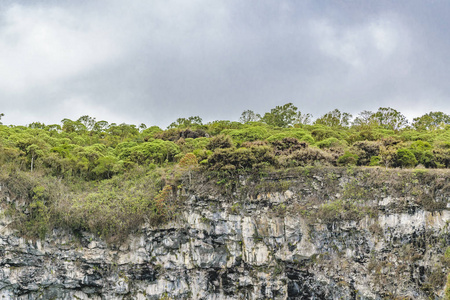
point(319, 235)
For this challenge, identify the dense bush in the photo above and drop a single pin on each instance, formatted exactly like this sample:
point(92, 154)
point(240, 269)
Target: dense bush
point(405, 158)
point(348, 159)
point(307, 157)
point(365, 150)
point(245, 158)
point(220, 141)
point(115, 176)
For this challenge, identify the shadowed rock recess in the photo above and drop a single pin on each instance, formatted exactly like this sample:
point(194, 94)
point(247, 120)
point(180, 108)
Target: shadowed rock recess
point(312, 233)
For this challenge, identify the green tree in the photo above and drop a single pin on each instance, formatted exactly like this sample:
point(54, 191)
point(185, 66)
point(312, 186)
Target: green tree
point(33, 152)
point(431, 121)
point(405, 158)
point(188, 163)
point(107, 166)
point(87, 121)
point(72, 126)
point(364, 120)
point(53, 127)
point(37, 125)
point(335, 118)
point(249, 116)
point(100, 126)
point(385, 117)
point(285, 116)
point(389, 118)
point(194, 121)
point(123, 131)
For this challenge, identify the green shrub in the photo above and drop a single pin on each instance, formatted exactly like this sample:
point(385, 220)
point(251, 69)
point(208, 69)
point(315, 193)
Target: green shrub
point(307, 157)
point(365, 150)
point(375, 161)
point(220, 142)
point(296, 133)
point(405, 158)
point(157, 151)
point(248, 134)
point(338, 210)
point(331, 143)
point(447, 288)
point(288, 145)
point(242, 158)
point(348, 159)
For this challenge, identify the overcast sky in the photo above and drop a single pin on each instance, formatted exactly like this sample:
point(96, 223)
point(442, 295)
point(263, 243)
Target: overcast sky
point(142, 61)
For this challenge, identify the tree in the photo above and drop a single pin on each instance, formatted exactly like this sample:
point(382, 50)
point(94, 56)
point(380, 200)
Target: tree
point(87, 121)
point(389, 118)
point(100, 126)
point(142, 127)
point(431, 121)
point(334, 119)
point(53, 127)
point(385, 117)
point(1, 115)
point(37, 125)
point(405, 158)
point(188, 163)
point(72, 126)
point(249, 116)
point(123, 130)
point(194, 121)
point(364, 119)
point(285, 116)
point(107, 166)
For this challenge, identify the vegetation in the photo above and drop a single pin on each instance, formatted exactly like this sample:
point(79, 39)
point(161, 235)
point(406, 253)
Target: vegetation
point(108, 178)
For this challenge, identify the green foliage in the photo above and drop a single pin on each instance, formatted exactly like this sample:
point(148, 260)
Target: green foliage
point(431, 121)
point(375, 161)
point(113, 209)
point(297, 133)
point(447, 288)
point(102, 167)
point(422, 153)
point(338, 210)
point(389, 118)
point(331, 142)
point(348, 159)
point(405, 158)
point(249, 116)
point(150, 132)
point(321, 132)
point(191, 122)
point(307, 157)
point(334, 119)
point(285, 116)
point(365, 150)
point(216, 127)
point(385, 117)
point(155, 151)
point(176, 134)
point(249, 133)
point(245, 158)
point(220, 142)
point(107, 166)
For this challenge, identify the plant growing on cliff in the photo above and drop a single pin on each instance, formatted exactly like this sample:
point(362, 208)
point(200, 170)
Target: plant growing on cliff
point(447, 288)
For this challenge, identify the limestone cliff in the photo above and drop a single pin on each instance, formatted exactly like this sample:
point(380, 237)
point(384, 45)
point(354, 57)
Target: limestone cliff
point(309, 234)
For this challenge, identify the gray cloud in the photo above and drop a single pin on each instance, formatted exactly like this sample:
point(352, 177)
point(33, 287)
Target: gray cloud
point(153, 61)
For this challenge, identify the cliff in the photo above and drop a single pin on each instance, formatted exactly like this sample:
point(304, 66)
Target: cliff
point(310, 233)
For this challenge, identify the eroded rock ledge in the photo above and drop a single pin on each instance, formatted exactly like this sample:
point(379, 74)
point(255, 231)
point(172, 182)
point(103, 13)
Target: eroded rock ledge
point(311, 234)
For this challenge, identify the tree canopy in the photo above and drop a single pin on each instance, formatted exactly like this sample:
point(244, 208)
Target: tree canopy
point(111, 170)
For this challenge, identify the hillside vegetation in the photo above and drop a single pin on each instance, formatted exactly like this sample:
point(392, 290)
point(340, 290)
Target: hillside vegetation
point(109, 178)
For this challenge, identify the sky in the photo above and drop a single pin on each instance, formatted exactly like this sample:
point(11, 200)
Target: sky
point(151, 62)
